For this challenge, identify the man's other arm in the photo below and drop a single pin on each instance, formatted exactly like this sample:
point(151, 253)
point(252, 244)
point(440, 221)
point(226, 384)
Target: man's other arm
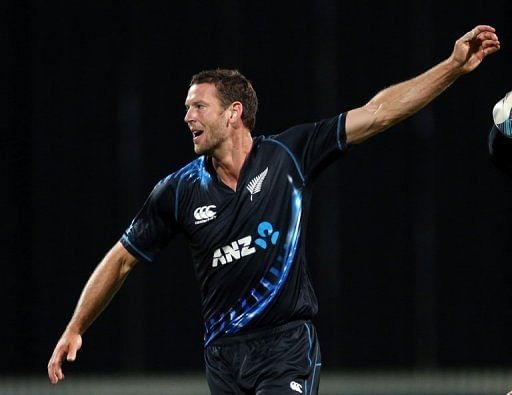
point(99, 290)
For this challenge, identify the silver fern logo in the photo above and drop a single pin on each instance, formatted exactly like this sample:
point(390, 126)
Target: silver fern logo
point(255, 185)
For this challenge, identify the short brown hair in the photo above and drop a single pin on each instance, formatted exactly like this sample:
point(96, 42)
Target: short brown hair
point(232, 86)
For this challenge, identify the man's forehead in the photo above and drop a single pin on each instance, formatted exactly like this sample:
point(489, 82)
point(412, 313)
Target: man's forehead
point(204, 91)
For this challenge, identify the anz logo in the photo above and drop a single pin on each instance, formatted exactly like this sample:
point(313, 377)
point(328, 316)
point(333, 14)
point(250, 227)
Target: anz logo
point(243, 247)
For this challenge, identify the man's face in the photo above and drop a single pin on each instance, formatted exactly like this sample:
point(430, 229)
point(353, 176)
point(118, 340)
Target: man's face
point(206, 118)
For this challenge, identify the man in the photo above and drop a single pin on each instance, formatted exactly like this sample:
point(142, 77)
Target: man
point(500, 135)
point(243, 205)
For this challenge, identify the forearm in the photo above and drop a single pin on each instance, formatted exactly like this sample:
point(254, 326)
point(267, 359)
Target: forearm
point(101, 287)
point(398, 102)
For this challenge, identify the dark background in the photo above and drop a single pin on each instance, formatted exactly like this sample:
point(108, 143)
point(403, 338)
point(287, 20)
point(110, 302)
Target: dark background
point(409, 235)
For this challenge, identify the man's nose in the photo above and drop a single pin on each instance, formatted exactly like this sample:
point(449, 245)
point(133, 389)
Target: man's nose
point(187, 116)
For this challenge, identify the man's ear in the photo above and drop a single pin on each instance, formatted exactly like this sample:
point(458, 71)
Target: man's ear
point(236, 110)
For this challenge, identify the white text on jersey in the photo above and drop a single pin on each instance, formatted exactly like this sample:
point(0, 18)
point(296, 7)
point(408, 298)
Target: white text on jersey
point(233, 251)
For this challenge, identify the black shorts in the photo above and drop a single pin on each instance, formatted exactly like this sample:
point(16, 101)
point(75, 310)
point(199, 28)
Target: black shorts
point(281, 360)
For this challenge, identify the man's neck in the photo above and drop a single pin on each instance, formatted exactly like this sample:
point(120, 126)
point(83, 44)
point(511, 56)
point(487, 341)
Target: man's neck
point(229, 159)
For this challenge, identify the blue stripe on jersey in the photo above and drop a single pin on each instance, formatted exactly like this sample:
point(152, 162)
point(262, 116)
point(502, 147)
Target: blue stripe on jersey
point(317, 364)
point(310, 343)
point(194, 170)
point(295, 161)
point(313, 362)
point(145, 256)
point(246, 309)
point(309, 356)
point(341, 145)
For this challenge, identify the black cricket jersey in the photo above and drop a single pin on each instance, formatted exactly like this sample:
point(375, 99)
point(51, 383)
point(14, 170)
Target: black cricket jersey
point(247, 245)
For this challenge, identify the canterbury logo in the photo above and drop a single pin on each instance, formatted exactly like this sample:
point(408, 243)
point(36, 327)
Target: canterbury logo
point(296, 387)
point(255, 185)
point(204, 214)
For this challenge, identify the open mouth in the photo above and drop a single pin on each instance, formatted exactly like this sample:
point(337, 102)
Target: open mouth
point(197, 133)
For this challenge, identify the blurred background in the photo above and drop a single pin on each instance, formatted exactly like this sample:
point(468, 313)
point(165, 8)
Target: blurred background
point(409, 240)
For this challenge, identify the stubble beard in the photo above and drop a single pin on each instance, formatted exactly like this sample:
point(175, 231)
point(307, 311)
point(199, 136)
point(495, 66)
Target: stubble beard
point(213, 139)
point(209, 145)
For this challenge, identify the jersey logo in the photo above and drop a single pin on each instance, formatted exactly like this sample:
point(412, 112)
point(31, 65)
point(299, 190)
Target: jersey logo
point(265, 229)
point(234, 251)
point(256, 183)
point(204, 214)
point(296, 387)
point(243, 247)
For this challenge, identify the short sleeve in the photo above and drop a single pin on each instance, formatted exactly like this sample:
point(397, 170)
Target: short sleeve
point(154, 226)
point(316, 145)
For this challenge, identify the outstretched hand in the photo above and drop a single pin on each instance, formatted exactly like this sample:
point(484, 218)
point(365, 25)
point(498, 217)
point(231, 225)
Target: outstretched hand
point(67, 347)
point(474, 46)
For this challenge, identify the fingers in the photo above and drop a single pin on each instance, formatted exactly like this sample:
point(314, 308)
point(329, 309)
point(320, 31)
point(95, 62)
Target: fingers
point(482, 40)
point(491, 48)
point(55, 366)
point(489, 42)
point(66, 348)
point(482, 28)
point(480, 32)
point(476, 31)
point(488, 38)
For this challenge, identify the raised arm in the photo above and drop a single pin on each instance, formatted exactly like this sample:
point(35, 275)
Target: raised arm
point(103, 284)
point(398, 102)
